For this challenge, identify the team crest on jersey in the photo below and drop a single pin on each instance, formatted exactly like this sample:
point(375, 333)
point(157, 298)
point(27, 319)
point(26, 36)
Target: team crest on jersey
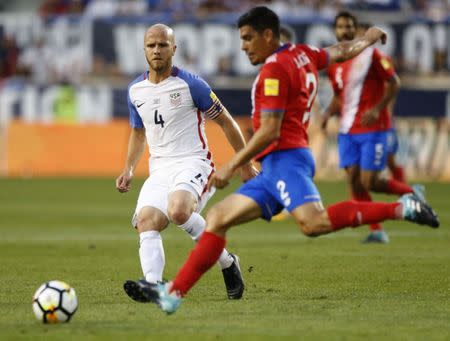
point(175, 99)
point(271, 87)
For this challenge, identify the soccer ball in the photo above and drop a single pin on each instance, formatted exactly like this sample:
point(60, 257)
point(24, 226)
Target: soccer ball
point(55, 302)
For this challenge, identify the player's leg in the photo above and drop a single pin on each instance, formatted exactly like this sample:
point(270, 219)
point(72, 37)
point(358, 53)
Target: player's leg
point(149, 220)
point(397, 171)
point(349, 148)
point(251, 201)
point(373, 160)
point(186, 201)
point(234, 209)
point(314, 220)
point(303, 202)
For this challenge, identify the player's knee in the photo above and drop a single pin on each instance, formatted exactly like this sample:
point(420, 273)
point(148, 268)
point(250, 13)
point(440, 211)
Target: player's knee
point(179, 216)
point(148, 223)
point(309, 228)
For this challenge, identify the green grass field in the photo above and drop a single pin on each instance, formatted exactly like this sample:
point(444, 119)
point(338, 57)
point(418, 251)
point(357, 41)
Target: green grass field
point(328, 288)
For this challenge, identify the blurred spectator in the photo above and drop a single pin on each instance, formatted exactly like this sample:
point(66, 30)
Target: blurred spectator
point(37, 63)
point(132, 7)
point(53, 7)
point(76, 6)
point(212, 7)
point(102, 8)
point(178, 8)
point(326, 9)
point(9, 54)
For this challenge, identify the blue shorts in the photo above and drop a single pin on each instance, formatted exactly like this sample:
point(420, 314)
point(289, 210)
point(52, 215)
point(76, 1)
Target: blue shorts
point(367, 150)
point(286, 181)
point(391, 141)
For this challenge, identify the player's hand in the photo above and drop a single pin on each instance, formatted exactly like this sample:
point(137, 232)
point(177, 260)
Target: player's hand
point(248, 172)
point(373, 34)
point(123, 182)
point(370, 117)
point(220, 177)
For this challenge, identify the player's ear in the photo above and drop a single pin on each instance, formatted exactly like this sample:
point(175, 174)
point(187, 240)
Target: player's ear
point(174, 49)
point(268, 35)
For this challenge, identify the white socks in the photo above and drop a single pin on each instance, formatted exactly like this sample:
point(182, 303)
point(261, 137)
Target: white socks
point(151, 253)
point(195, 227)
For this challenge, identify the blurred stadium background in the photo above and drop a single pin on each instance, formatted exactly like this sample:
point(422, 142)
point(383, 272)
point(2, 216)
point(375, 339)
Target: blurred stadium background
point(64, 70)
point(65, 66)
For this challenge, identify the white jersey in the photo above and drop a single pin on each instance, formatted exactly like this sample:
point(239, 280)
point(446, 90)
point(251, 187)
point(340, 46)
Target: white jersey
point(173, 114)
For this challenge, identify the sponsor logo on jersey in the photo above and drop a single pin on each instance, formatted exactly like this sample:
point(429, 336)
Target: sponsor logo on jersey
point(175, 99)
point(271, 87)
point(139, 103)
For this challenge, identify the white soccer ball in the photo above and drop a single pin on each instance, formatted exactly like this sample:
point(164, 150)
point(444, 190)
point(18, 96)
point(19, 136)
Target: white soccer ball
point(55, 302)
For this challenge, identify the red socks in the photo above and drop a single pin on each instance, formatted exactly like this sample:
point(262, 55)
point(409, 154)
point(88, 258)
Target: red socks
point(398, 174)
point(356, 213)
point(365, 196)
point(205, 254)
point(397, 187)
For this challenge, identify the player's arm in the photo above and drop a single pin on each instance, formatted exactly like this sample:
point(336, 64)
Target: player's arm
point(390, 91)
point(349, 49)
point(268, 132)
point(136, 147)
point(234, 136)
point(333, 109)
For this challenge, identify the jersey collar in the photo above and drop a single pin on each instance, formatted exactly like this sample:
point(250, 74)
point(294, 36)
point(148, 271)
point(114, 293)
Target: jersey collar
point(173, 73)
point(283, 47)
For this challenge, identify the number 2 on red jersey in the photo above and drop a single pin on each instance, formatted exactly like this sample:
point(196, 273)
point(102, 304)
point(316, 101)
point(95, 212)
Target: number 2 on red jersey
point(310, 80)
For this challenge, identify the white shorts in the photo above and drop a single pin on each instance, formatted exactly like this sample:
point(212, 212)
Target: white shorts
point(168, 176)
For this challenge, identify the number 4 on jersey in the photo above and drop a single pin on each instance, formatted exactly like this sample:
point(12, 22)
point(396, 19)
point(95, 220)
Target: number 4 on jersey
point(159, 119)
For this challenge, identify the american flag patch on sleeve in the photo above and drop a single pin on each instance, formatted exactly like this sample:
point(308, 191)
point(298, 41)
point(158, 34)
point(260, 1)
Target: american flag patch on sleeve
point(216, 109)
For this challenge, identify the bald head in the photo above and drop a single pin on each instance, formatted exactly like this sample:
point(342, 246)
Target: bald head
point(159, 47)
point(161, 30)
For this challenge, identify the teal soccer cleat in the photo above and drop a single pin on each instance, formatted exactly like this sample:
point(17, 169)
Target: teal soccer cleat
point(158, 293)
point(417, 211)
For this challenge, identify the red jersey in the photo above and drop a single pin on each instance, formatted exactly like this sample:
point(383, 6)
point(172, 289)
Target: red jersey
point(287, 83)
point(359, 84)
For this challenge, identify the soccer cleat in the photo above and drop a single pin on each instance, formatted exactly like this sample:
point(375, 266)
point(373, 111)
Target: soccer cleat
point(419, 191)
point(158, 293)
point(134, 291)
point(169, 302)
point(380, 237)
point(417, 211)
point(234, 282)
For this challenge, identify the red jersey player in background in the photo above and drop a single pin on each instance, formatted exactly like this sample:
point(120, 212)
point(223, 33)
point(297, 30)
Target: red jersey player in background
point(363, 88)
point(282, 96)
point(396, 170)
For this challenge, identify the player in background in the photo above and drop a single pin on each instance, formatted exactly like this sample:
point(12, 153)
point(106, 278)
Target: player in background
point(282, 95)
point(363, 88)
point(396, 170)
point(168, 107)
